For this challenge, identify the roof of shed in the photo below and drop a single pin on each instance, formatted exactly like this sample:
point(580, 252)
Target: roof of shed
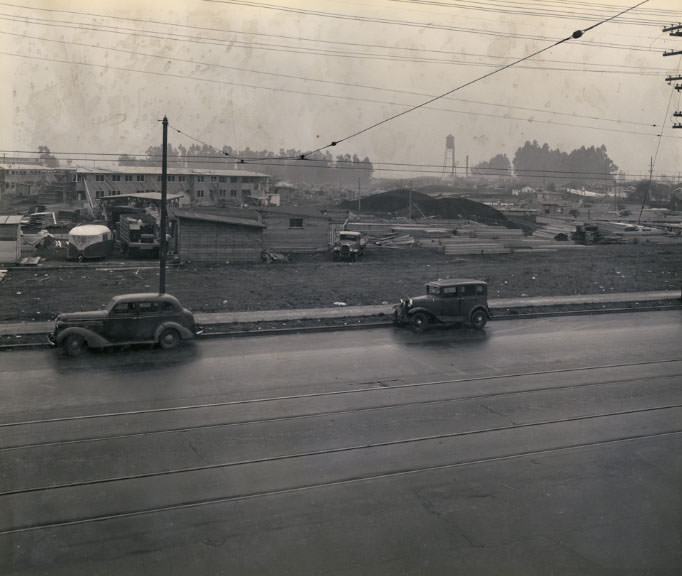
point(214, 217)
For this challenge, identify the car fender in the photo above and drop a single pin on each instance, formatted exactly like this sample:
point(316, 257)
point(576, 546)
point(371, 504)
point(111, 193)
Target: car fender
point(93, 339)
point(182, 330)
point(476, 309)
point(413, 311)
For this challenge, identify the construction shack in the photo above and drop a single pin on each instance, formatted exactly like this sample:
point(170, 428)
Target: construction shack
point(214, 237)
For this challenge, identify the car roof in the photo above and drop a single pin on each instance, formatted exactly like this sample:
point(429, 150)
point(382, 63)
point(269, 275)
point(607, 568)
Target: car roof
point(148, 296)
point(456, 282)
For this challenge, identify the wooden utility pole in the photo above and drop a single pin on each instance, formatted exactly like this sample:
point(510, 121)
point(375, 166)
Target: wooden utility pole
point(163, 226)
point(674, 30)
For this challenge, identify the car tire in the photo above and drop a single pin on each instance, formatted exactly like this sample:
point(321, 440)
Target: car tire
point(74, 345)
point(479, 319)
point(169, 339)
point(420, 321)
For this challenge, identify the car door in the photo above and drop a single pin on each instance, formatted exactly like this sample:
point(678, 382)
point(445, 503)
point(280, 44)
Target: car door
point(448, 304)
point(469, 298)
point(121, 323)
point(149, 316)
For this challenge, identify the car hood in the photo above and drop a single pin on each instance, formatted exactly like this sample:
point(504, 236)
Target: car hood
point(92, 316)
point(421, 300)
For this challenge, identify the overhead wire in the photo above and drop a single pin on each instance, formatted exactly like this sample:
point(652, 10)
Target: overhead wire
point(412, 108)
point(575, 35)
point(309, 163)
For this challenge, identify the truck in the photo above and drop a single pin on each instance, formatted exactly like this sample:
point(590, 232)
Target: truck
point(349, 245)
point(138, 235)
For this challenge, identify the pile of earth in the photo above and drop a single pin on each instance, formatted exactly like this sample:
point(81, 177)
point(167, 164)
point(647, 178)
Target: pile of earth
point(397, 203)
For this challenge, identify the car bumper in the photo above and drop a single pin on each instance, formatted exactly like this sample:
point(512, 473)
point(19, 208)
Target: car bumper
point(400, 314)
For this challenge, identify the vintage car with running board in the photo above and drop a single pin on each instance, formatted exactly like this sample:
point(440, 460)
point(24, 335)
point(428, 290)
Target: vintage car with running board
point(143, 318)
point(451, 301)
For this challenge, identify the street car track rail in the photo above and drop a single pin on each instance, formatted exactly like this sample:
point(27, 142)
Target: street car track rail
point(403, 441)
point(380, 387)
point(195, 503)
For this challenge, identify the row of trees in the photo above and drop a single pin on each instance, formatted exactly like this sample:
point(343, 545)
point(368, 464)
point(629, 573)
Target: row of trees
point(541, 165)
point(316, 169)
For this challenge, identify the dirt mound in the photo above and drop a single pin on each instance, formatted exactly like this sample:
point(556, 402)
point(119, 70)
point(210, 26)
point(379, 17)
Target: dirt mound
point(397, 203)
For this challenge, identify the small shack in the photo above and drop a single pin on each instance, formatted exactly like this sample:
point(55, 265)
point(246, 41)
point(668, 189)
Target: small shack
point(10, 239)
point(215, 237)
point(296, 230)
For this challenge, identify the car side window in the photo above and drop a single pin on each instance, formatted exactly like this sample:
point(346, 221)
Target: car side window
point(122, 308)
point(167, 307)
point(450, 291)
point(147, 307)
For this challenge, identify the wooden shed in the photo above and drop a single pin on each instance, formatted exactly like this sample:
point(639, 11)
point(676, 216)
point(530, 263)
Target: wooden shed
point(293, 230)
point(214, 237)
point(10, 239)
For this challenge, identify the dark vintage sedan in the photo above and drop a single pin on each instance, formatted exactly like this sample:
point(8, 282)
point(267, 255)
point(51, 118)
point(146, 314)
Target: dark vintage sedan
point(145, 318)
point(452, 301)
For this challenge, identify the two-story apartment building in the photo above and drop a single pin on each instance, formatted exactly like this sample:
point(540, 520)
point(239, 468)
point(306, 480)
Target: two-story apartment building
point(32, 182)
point(197, 187)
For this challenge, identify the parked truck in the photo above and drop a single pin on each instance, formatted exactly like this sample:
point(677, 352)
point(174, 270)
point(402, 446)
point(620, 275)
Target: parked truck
point(138, 235)
point(349, 245)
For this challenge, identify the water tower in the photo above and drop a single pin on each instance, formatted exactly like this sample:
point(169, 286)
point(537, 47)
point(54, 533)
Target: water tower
point(449, 153)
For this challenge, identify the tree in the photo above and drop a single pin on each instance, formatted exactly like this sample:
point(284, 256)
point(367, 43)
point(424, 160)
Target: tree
point(541, 165)
point(497, 166)
point(46, 158)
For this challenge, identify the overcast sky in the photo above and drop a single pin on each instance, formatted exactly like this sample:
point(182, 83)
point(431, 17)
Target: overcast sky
point(88, 77)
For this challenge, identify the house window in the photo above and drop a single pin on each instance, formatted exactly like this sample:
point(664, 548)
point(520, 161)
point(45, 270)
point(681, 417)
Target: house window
point(129, 177)
point(140, 177)
point(181, 178)
point(222, 193)
point(295, 222)
point(99, 193)
point(200, 178)
point(200, 193)
point(233, 193)
point(214, 178)
point(99, 177)
point(222, 179)
point(116, 177)
point(171, 178)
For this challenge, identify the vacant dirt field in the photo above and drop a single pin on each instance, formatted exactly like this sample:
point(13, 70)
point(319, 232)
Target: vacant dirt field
point(307, 281)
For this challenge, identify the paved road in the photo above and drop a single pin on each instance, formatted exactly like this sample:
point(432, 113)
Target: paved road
point(536, 447)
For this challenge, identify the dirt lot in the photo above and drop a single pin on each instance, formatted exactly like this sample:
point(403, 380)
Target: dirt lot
point(384, 276)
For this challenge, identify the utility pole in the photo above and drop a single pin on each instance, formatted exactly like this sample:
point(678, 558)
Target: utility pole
point(674, 30)
point(648, 189)
point(358, 195)
point(164, 216)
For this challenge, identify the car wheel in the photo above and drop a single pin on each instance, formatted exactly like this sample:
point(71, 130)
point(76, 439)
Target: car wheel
point(479, 319)
point(420, 321)
point(74, 345)
point(169, 338)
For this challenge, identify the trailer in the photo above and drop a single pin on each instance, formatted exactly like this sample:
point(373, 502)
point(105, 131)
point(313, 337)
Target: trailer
point(89, 241)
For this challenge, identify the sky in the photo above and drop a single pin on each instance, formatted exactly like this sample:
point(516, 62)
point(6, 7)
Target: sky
point(383, 79)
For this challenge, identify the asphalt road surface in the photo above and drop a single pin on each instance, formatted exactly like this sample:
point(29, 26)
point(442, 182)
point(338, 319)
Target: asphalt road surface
point(548, 446)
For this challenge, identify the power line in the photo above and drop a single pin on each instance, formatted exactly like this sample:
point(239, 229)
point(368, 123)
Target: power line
point(136, 32)
point(576, 34)
point(281, 162)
